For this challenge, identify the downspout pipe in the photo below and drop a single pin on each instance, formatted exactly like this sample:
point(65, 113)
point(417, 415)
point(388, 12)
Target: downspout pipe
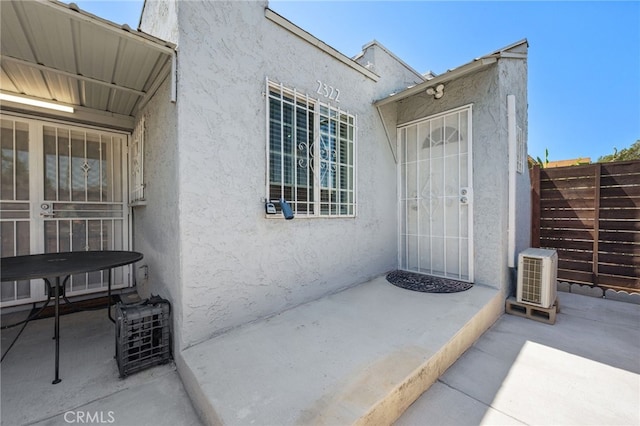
point(513, 152)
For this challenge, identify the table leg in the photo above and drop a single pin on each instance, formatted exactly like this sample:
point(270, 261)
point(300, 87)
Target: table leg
point(49, 293)
point(57, 331)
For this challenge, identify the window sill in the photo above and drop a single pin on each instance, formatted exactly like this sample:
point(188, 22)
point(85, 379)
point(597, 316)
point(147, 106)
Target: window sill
point(280, 217)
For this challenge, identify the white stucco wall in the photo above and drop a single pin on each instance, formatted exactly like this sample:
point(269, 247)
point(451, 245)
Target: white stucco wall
point(160, 18)
point(219, 257)
point(513, 76)
point(156, 229)
point(235, 265)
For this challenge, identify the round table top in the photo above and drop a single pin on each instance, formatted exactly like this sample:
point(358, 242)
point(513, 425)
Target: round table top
point(35, 266)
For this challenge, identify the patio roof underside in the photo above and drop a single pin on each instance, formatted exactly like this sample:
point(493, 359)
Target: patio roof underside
point(56, 52)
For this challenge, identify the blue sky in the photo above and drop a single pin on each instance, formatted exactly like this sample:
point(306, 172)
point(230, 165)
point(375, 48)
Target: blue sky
point(584, 57)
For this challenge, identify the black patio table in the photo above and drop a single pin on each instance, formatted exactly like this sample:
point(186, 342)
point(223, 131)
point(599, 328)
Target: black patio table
point(63, 265)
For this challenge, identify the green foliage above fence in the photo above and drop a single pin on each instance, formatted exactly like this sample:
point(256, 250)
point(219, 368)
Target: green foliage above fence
point(631, 153)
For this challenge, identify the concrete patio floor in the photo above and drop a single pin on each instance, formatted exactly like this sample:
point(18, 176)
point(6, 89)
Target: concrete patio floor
point(583, 370)
point(326, 361)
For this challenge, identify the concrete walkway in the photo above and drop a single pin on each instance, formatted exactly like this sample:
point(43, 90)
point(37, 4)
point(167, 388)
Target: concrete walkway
point(356, 357)
point(90, 391)
point(361, 356)
point(584, 370)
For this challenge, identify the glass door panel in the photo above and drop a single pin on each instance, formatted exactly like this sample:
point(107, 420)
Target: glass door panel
point(83, 206)
point(61, 189)
point(15, 202)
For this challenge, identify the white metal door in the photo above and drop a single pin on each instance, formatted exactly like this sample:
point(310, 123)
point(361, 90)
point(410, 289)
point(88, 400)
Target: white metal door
point(436, 195)
point(63, 189)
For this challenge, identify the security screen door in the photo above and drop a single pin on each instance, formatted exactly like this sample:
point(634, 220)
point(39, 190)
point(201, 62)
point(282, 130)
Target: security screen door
point(62, 189)
point(436, 195)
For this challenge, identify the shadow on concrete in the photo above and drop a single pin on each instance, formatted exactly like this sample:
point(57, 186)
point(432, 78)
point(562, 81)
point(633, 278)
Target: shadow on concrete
point(584, 369)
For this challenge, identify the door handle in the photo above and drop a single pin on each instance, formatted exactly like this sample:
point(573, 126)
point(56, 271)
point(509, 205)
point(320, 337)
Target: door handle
point(46, 210)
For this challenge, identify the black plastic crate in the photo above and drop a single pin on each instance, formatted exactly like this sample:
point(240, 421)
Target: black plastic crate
point(143, 337)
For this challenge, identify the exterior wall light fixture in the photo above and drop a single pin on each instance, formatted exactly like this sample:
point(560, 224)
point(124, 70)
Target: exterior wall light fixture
point(437, 92)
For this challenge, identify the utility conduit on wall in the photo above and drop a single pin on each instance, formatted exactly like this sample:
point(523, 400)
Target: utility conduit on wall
point(513, 149)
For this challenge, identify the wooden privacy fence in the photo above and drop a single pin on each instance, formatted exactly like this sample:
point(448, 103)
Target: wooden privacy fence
point(590, 215)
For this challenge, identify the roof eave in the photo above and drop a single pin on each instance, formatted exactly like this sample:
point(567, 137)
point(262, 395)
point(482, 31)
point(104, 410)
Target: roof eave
point(510, 51)
point(450, 75)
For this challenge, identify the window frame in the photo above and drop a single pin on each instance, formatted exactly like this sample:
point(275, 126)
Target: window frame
point(137, 183)
point(329, 155)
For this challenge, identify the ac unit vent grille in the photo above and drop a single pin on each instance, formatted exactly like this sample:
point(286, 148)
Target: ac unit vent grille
point(532, 280)
point(537, 277)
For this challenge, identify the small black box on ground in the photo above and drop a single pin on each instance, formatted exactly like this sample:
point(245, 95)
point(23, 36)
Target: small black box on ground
point(143, 337)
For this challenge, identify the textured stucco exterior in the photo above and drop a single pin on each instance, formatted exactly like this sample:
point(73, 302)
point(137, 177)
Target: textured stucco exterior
point(234, 264)
point(156, 229)
point(207, 241)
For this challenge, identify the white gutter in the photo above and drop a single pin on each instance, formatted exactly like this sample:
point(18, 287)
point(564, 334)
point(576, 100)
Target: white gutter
point(513, 149)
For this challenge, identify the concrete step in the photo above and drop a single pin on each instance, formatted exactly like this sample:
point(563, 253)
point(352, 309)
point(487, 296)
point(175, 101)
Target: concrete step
point(361, 356)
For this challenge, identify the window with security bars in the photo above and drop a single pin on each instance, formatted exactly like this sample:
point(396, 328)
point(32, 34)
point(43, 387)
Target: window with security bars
point(311, 154)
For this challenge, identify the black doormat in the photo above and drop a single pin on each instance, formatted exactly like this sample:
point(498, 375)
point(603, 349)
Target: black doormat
point(426, 283)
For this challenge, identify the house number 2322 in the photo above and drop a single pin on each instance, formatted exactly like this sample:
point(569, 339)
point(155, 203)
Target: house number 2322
point(328, 91)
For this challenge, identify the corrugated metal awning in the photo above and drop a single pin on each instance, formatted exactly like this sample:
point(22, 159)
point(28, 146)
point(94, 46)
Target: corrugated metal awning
point(54, 51)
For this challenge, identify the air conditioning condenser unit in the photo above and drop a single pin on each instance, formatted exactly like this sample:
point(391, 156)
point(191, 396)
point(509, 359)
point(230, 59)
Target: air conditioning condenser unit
point(537, 276)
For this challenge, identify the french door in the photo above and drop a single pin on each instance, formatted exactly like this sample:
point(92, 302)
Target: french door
point(436, 195)
point(62, 189)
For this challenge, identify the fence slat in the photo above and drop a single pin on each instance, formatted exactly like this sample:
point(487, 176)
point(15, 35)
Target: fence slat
point(566, 244)
point(575, 266)
point(620, 225)
point(568, 193)
point(580, 182)
point(619, 259)
point(632, 192)
point(567, 234)
point(620, 213)
point(567, 213)
point(567, 203)
point(620, 202)
point(621, 270)
point(567, 223)
point(616, 180)
point(620, 236)
point(575, 276)
point(585, 256)
point(620, 283)
point(630, 249)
